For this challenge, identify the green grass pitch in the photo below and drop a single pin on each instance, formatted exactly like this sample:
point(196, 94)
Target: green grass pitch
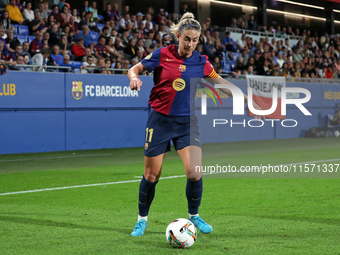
point(250, 214)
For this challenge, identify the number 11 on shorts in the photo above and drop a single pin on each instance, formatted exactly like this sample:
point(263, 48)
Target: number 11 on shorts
point(149, 133)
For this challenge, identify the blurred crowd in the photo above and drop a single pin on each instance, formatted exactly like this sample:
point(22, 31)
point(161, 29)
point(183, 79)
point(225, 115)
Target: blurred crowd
point(92, 40)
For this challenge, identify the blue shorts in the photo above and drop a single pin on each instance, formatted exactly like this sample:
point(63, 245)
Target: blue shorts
point(161, 129)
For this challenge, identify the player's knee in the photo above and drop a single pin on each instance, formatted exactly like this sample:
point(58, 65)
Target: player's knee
point(151, 177)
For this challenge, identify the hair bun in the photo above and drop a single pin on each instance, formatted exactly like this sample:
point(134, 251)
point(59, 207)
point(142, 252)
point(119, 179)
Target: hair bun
point(187, 15)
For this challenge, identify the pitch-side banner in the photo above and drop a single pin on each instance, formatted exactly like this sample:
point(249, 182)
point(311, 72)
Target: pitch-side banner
point(262, 88)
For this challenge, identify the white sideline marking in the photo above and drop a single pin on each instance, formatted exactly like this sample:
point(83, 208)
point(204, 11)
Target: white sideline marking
point(81, 186)
point(61, 157)
point(129, 181)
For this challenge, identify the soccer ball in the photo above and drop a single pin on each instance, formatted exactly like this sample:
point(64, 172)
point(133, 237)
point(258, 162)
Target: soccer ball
point(181, 233)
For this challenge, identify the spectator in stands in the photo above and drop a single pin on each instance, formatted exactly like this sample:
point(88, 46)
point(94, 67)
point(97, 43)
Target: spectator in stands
point(54, 35)
point(233, 23)
point(279, 59)
point(126, 65)
point(66, 15)
point(119, 46)
point(139, 16)
point(3, 35)
point(87, 38)
point(86, 6)
point(112, 50)
point(131, 50)
point(78, 50)
point(56, 15)
point(72, 25)
point(14, 13)
point(208, 47)
point(107, 14)
point(133, 21)
point(88, 53)
point(25, 49)
point(3, 51)
point(229, 42)
point(56, 56)
point(77, 19)
point(241, 61)
point(116, 15)
point(46, 39)
point(241, 43)
point(11, 42)
point(43, 12)
point(37, 24)
point(62, 3)
point(148, 19)
point(26, 61)
point(14, 55)
point(160, 19)
point(100, 50)
point(4, 3)
point(105, 33)
point(252, 24)
point(140, 47)
point(87, 64)
point(122, 24)
point(241, 18)
point(37, 43)
point(100, 66)
point(94, 10)
point(28, 13)
point(5, 21)
point(125, 37)
point(42, 58)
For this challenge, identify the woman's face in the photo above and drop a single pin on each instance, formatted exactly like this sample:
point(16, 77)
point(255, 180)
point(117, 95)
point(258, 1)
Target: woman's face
point(75, 12)
point(65, 9)
point(188, 41)
point(6, 15)
point(29, 5)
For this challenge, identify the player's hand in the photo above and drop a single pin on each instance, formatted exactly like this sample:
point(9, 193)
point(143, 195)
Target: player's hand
point(135, 84)
point(258, 117)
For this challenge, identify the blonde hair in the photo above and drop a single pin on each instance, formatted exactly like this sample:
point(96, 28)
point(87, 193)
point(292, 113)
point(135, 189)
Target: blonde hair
point(188, 21)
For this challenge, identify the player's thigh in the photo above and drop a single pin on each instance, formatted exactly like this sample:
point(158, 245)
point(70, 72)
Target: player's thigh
point(191, 157)
point(153, 167)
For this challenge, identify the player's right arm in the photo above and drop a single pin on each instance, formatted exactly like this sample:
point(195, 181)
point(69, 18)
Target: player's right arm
point(135, 82)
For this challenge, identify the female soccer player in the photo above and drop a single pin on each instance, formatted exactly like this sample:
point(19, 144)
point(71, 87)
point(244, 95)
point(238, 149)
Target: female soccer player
point(170, 117)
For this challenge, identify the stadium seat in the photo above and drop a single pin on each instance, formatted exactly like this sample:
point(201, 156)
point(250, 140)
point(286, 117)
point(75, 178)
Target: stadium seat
point(23, 30)
point(227, 66)
point(22, 39)
point(100, 17)
point(30, 38)
point(15, 29)
point(100, 26)
point(94, 35)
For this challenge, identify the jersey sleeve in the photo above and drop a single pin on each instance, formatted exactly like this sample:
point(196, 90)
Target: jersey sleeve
point(151, 61)
point(209, 70)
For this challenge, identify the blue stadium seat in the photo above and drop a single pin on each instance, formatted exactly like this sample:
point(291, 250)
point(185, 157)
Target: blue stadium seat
point(100, 17)
point(22, 39)
point(30, 38)
point(94, 35)
point(23, 30)
point(227, 66)
point(100, 26)
point(15, 29)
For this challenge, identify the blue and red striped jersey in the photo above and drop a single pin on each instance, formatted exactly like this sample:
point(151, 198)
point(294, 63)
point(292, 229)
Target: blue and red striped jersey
point(171, 92)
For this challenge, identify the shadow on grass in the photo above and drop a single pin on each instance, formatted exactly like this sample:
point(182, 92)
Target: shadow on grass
point(51, 223)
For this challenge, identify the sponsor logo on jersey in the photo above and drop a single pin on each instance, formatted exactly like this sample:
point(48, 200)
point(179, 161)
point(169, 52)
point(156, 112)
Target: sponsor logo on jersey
point(169, 59)
point(148, 56)
point(182, 68)
point(178, 84)
point(77, 89)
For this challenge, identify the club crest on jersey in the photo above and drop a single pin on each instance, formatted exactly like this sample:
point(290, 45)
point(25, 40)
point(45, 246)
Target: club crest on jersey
point(178, 84)
point(146, 146)
point(182, 68)
point(77, 89)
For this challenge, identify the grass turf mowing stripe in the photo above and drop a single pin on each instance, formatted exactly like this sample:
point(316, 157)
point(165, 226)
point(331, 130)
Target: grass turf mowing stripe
point(129, 181)
point(60, 157)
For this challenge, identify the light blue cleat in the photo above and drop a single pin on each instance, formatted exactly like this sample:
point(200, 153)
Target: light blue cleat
point(202, 226)
point(139, 228)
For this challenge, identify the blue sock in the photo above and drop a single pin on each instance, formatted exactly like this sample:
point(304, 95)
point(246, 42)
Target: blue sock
point(194, 192)
point(146, 195)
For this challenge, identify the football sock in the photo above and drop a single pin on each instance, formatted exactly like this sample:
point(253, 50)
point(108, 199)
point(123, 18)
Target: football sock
point(194, 191)
point(192, 215)
point(146, 195)
point(142, 218)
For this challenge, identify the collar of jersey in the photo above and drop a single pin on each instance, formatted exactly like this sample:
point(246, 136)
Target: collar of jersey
point(178, 56)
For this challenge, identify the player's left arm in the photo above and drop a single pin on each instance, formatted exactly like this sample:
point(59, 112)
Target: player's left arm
point(216, 79)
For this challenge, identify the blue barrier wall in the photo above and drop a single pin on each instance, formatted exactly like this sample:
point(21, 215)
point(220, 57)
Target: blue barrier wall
point(53, 112)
